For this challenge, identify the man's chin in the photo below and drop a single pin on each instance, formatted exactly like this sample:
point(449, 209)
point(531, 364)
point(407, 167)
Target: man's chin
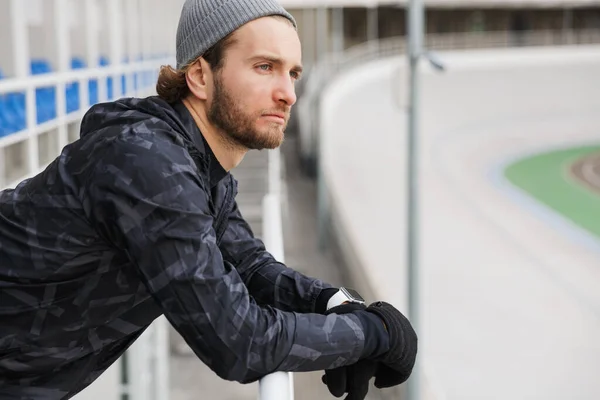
point(272, 141)
point(260, 140)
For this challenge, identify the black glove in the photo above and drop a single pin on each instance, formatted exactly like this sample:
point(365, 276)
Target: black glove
point(399, 360)
point(353, 379)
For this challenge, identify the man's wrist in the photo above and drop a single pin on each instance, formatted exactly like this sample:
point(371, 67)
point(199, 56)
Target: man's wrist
point(323, 299)
point(377, 339)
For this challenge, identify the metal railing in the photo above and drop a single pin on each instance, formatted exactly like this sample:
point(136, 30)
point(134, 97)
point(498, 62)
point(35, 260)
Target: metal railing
point(145, 373)
point(278, 385)
point(57, 126)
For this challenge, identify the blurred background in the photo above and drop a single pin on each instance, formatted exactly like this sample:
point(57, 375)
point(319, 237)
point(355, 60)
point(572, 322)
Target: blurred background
point(507, 178)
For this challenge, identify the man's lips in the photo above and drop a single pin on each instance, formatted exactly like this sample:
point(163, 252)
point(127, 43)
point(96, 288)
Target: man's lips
point(276, 116)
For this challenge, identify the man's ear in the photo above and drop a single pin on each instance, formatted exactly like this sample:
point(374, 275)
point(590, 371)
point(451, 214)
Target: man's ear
point(197, 77)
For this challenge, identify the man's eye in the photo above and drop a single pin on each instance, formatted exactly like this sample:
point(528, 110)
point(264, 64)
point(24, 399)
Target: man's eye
point(264, 67)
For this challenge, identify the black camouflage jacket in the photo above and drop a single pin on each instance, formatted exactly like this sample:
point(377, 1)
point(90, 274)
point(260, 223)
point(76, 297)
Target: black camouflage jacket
point(134, 220)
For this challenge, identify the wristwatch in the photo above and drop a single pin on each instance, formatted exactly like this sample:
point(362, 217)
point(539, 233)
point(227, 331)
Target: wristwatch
point(345, 295)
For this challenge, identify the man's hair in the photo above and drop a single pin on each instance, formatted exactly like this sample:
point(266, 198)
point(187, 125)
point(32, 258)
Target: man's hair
point(172, 84)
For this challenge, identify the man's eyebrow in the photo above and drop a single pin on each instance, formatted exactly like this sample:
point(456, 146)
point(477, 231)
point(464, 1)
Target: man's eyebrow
point(276, 60)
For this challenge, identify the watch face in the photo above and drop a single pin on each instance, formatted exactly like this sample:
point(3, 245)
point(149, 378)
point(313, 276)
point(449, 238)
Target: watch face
point(353, 294)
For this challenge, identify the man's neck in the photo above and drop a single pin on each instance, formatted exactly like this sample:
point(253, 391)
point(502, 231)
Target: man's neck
point(227, 153)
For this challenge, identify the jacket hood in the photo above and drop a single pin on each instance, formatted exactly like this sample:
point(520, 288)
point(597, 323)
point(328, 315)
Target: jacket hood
point(129, 110)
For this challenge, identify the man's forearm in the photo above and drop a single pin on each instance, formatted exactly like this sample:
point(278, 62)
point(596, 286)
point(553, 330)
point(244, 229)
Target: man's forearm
point(268, 281)
point(273, 283)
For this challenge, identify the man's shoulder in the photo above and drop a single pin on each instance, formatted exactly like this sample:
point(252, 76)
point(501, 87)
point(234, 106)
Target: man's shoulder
point(142, 114)
point(132, 133)
point(140, 120)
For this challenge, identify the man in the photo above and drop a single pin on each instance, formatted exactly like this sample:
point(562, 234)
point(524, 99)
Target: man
point(138, 218)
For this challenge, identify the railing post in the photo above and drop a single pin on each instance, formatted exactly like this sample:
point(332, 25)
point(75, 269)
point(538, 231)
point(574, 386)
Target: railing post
point(373, 25)
point(416, 16)
point(62, 21)
point(21, 54)
point(337, 30)
point(274, 172)
point(278, 385)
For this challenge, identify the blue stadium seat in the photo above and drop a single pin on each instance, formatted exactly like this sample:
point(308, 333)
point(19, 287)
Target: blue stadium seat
point(12, 112)
point(12, 105)
point(3, 116)
point(109, 86)
point(124, 78)
point(139, 81)
point(45, 98)
point(93, 90)
point(15, 107)
point(72, 89)
point(136, 76)
point(93, 83)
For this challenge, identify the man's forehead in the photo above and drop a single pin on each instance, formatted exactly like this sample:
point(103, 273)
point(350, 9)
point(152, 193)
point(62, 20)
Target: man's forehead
point(270, 35)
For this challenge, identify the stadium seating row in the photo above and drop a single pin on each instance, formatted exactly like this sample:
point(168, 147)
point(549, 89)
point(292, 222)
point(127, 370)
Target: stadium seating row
point(12, 105)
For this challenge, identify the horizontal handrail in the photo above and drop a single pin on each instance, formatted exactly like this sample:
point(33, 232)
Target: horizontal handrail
point(18, 84)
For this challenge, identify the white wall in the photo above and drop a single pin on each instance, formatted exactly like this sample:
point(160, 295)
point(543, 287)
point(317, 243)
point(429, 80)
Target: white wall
point(6, 46)
point(42, 42)
point(77, 29)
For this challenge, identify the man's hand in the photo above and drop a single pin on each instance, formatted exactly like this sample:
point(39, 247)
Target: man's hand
point(391, 367)
point(352, 379)
point(397, 363)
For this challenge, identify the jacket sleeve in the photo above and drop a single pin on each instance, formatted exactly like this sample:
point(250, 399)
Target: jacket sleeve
point(145, 197)
point(270, 282)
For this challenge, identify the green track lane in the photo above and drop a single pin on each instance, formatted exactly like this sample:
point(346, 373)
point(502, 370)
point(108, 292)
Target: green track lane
point(547, 178)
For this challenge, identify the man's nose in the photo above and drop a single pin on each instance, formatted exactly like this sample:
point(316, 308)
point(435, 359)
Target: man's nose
point(285, 91)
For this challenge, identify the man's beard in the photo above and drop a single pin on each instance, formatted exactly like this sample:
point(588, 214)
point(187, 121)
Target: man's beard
point(238, 126)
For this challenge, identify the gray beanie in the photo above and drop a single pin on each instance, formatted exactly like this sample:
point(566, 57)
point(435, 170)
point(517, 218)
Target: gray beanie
point(203, 23)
